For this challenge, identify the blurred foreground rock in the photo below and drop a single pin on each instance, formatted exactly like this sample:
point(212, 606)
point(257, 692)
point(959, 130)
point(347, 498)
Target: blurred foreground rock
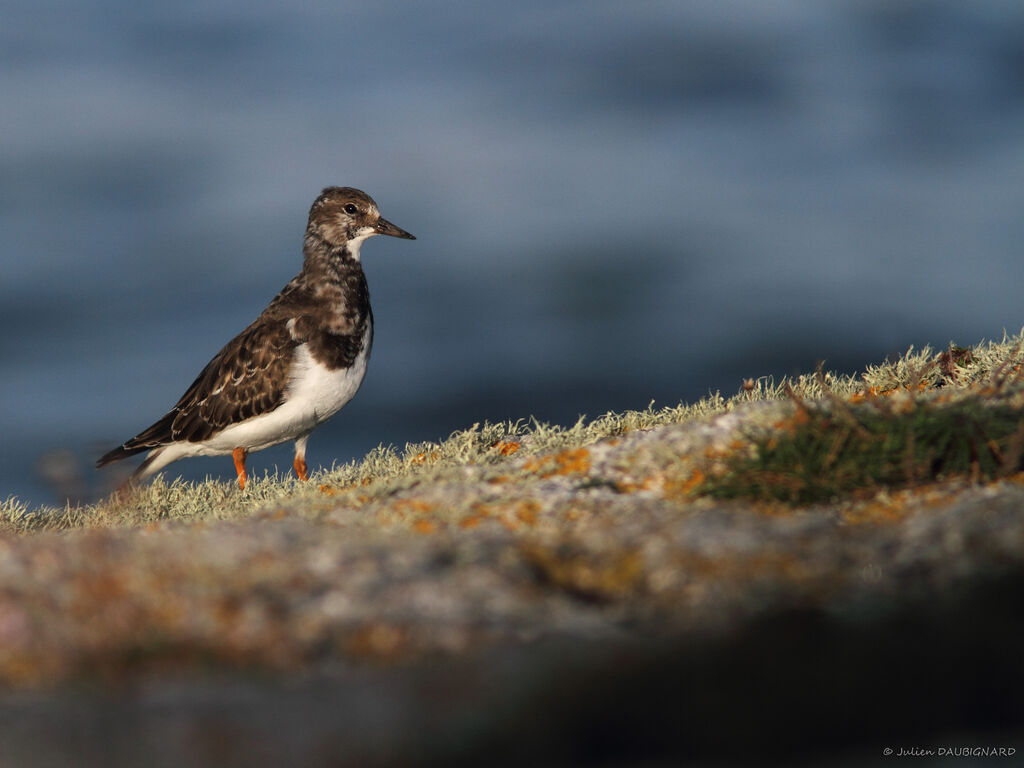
point(576, 608)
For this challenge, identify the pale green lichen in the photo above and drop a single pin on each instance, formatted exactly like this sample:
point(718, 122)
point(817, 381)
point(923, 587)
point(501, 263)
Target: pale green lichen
point(388, 470)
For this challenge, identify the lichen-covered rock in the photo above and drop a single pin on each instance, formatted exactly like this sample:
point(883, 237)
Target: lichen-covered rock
point(549, 574)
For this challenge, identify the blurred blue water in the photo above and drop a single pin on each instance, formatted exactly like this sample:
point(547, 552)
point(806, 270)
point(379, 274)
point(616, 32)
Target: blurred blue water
point(614, 202)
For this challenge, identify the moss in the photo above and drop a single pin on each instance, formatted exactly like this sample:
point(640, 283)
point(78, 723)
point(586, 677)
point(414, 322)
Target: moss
point(831, 449)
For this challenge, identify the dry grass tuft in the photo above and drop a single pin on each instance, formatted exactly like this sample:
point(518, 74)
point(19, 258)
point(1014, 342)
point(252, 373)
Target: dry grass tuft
point(520, 447)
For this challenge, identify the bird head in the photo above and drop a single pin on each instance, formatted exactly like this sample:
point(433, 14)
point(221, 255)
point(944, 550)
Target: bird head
point(343, 217)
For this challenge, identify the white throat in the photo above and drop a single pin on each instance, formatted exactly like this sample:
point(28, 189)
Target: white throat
point(356, 243)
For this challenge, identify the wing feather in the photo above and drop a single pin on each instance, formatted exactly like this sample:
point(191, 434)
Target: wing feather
point(247, 378)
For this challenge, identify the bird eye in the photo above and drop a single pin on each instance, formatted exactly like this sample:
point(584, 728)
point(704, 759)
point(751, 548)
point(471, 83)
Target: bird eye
point(351, 209)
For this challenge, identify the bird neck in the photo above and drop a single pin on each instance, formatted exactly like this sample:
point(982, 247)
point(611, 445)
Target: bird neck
point(330, 262)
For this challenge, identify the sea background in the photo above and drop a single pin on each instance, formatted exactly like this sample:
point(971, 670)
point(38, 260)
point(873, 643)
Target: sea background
point(615, 203)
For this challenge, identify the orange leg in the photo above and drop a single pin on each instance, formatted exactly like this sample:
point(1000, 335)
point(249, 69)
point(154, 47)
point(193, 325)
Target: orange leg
point(239, 455)
point(300, 468)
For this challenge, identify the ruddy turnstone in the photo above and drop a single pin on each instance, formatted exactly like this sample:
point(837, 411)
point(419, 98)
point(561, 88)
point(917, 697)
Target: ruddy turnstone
point(295, 366)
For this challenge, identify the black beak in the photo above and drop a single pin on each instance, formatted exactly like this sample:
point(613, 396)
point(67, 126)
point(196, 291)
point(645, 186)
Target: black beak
point(385, 227)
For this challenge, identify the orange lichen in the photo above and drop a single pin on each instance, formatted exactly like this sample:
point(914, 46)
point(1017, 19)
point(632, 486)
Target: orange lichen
point(421, 458)
point(864, 396)
point(522, 513)
point(424, 526)
point(413, 505)
point(791, 423)
point(871, 392)
point(602, 576)
point(563, 463)
point(526, 512)
point(695, 479)
point(680, 486)
point(510, 515)
point(506, 448)
point(628, 486)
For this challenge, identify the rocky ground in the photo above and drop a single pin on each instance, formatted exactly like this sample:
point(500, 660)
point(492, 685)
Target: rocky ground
point(585, 601)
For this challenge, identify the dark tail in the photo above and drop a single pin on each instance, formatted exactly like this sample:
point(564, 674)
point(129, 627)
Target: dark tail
point(153, 437)
point(121, 452)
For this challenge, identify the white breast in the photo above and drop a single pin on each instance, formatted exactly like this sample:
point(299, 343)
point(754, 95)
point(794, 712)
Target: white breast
point(320, 393)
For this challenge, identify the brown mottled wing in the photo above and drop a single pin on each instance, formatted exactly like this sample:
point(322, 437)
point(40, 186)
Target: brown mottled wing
point(245, 379)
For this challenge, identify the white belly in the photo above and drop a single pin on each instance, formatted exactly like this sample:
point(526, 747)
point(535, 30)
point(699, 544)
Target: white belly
point(318, 393)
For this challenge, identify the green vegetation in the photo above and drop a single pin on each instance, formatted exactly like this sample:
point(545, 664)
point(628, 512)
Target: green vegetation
point(832, 449)
point(921, 417)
